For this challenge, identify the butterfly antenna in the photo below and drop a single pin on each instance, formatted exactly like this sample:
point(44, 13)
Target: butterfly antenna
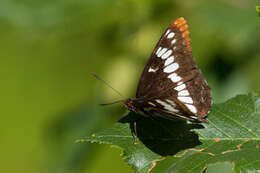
point(106, 104)
point(107, 84)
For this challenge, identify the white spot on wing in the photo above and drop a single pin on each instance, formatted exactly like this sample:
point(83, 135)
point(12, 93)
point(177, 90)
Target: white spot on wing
point(170, 108)
point(167, 54)
point(194, 117)
point(191, 108)
point(151, 103)
point(186, 118)
point(173, 41)
point(152, 70)
point(167, 32)
point(171, 102)
point(179, 83)
point(171, 35)
point(167, 106)
point(169, 60)
point(186, 100)
point(171, 68)
point(184, 93)
point(158, 50)
point(159, 101)
point(180, 87)
point(161, 52)
point(174, 77)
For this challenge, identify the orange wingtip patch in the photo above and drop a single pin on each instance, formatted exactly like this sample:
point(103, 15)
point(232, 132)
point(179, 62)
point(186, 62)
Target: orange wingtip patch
point(183, 27)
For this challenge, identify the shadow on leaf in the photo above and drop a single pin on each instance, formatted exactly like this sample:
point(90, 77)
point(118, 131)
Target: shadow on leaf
point(162, 136)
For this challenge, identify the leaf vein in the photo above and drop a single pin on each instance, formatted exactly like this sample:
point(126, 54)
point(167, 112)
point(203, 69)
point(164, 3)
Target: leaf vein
point(221, 131)
point(239, 124)
point(199, 164)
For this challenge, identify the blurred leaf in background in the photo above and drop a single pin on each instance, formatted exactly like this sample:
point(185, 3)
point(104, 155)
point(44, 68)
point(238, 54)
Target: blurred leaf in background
point(49, 48)
point(258, 11)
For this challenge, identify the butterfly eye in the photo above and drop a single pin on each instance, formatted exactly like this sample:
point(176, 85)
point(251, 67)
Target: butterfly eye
point(129, 104)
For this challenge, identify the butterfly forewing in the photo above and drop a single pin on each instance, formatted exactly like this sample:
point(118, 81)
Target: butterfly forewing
point(171, 83)
point(171, 52)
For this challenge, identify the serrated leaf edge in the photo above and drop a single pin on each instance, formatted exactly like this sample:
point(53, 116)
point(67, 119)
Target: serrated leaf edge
point(122, 154)
point(98, 142)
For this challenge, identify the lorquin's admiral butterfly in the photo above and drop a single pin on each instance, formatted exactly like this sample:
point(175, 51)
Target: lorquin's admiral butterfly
point(171, 85)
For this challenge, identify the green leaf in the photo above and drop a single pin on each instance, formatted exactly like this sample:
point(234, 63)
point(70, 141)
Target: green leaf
point(231, 135)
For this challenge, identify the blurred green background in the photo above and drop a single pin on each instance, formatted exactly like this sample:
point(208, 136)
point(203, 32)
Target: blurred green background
point(49, 48)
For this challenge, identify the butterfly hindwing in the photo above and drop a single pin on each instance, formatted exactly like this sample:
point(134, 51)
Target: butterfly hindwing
point(171, 78)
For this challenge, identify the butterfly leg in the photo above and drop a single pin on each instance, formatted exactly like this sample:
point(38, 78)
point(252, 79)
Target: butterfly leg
point(134, 133)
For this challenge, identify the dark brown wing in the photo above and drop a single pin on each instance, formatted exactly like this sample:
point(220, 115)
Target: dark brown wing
point(172, 74)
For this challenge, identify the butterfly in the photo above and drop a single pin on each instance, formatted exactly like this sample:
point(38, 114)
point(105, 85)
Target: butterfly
point(171, 85)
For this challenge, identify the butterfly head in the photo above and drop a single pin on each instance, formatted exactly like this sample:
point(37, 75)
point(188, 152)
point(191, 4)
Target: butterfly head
point(133, 105)
point(129, 103)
